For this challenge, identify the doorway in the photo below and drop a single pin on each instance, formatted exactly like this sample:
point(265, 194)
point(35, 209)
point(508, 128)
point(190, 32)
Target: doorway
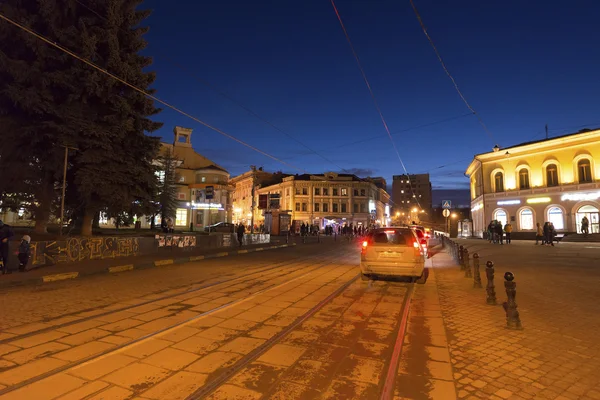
point(592, 215)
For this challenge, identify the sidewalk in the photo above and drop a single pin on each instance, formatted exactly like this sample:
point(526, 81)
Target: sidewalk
point(114, 265)
point(490, 361)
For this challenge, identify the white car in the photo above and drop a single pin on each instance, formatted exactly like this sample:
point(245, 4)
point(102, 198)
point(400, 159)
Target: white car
point(393, 252)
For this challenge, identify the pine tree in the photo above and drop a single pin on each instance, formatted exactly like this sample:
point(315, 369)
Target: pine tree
point(51, 99)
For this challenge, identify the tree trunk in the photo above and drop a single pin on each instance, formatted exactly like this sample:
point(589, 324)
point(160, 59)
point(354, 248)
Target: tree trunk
point(42, 213)
point(86, 224)
point(96, 223)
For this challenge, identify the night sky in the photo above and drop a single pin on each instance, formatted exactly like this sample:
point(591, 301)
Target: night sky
point(520, 64)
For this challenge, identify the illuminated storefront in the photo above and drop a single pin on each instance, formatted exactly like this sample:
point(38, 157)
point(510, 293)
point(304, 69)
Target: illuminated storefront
point(555, 180)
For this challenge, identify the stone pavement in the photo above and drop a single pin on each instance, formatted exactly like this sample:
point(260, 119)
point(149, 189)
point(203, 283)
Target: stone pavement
point(556, 356)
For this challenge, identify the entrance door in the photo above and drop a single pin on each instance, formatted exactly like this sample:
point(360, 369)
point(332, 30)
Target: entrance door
point(592, 215)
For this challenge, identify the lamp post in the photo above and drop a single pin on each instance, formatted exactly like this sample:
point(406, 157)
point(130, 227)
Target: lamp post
point(64, 187)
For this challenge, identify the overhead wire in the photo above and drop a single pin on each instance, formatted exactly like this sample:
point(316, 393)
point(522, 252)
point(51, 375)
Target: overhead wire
point(232, 99)
point(439, 57)
point(405, 130)
point(155, 98)
point(364, 75)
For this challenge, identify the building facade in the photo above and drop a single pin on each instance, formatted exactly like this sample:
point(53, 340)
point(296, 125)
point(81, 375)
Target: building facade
point(555, 180)
point(242, 193)
point(194, 174)
point(409, 191)
point(330, 199)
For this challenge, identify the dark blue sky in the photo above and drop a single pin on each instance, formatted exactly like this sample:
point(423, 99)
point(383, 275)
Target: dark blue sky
point(521, 64)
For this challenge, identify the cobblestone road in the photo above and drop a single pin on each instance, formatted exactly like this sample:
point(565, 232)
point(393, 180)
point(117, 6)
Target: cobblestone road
point(297, 324)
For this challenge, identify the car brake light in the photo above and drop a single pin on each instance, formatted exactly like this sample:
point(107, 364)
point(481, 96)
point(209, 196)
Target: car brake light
point(415, 245)
point(390, 231)
point(365, 243)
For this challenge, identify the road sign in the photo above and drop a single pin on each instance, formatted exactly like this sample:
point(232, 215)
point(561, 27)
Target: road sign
point(446, 204)
point(210, 192)
point(446, 213)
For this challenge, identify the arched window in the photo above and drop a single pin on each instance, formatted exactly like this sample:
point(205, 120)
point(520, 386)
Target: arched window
point(499, 182)
point(551, 175)
point(526, 219)
point(555, 215)
point(584, 170)
point(523, 178)
point(500, 215)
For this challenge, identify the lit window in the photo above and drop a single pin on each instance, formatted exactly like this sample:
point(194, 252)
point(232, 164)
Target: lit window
point(203, 179)
point(344, 192)
point(585, 171)
point(523, 179)
point(499, 182)
point(551, 175)
point(555, 215)
point(500, 215)
point(161, 176)
point(181, 217)
point(526, 219)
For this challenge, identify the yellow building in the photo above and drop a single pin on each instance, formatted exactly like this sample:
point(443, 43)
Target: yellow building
point(332, 199)
point(242, 194)
point(195, 173)
point(553, 180)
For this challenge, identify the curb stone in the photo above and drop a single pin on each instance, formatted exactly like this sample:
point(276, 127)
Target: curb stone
point(131, 267)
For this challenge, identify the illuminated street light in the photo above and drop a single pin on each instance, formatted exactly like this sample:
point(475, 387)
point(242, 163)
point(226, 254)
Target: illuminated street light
point(397, 213)
point(415, 209)
point(454, 215)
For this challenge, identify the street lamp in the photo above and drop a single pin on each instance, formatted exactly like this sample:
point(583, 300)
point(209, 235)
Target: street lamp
point(454, 215)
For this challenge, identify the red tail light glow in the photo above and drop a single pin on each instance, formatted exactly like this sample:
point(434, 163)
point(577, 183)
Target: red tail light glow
point(365, 243)
point(415, 245)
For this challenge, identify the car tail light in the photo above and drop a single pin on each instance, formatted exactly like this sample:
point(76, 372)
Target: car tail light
point(415, 245)
point(365, 244)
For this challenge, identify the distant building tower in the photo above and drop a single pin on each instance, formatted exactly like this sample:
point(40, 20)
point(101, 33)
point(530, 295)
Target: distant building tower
point(409, 191)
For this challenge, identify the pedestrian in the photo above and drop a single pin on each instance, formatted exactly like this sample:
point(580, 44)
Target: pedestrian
point(545, 231)
point(539, 234)
point(240, 234)
point(24, 252)
point(170, 226)
point(6, 233)
point(508, 231)
point(551, 233)
point(499, 231)
point(585, 225)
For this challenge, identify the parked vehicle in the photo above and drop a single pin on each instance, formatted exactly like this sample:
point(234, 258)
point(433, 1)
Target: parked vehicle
point(393, 252)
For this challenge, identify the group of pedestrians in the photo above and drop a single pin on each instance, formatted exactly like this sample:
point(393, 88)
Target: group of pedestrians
point(545, 234)
point(496, 232)
point(24, 252)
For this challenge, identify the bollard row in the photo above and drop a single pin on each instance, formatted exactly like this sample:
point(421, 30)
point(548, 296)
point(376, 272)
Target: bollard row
point(461, 255)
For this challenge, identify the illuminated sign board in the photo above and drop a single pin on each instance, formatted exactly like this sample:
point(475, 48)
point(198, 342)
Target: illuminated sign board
point(508, 202)
point(537, 200)
point(580, 196)
point(206, 206)
point(477, 207)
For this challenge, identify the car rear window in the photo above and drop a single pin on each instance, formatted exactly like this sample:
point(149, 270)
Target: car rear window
point(390, 237)
point(420, 233)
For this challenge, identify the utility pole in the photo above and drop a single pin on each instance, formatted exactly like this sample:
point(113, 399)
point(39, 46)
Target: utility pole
point(253, 168)
point(64, 187)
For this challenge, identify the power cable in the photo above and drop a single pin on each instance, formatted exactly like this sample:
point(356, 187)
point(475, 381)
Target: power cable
point(230, 98)
point(437, 53)
point(405, 130)
point(115, 77)
point(364, 75)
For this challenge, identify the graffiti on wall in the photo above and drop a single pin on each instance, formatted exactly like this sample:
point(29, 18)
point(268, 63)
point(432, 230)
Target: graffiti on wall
point(176, 241)
point(80, 249)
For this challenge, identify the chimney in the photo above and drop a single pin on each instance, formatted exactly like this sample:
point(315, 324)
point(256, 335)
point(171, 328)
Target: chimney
point(496, 148)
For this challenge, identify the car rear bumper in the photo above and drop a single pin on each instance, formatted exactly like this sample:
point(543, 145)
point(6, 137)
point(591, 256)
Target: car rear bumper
point(392, 269)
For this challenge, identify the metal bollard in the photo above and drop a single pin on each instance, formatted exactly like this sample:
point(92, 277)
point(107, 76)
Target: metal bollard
point(510, 306)
point(468, 273)
point(491, 293)
point(476, 274)
point(461, 257)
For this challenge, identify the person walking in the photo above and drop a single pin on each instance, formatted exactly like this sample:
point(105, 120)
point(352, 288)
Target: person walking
point(499, 232)
point(508, 231)
point(240, 234)
point(6, 233)
point(24, 252)
point(539, 234)
point(585, 225)
point(545, 230)
point(551, 233)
